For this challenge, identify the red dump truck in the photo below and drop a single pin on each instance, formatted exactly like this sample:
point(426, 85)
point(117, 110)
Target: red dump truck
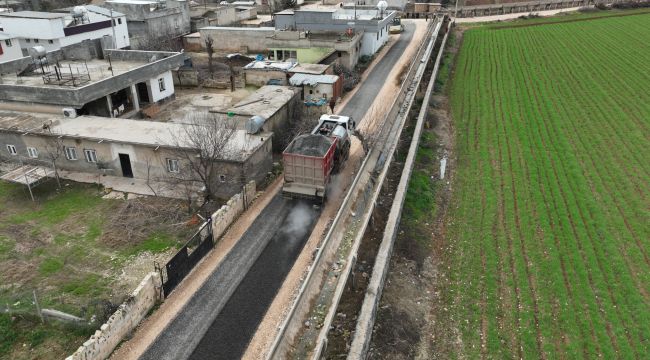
point(311, 159)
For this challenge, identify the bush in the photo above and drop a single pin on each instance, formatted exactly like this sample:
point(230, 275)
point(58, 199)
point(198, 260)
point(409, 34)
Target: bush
point(632, 5)
point(350, 78)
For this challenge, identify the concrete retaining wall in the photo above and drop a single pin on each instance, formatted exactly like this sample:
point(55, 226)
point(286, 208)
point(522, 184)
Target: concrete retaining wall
point(227, 214)
point(365, 323)
point(123, 321)
point(239, 39)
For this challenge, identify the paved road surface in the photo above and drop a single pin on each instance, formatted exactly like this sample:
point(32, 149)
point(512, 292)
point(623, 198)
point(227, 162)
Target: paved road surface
point(182, 334)
point(359, 104)
point(219, 320)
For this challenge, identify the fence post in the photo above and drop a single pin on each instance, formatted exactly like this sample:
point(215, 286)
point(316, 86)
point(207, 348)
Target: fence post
point(38, 308)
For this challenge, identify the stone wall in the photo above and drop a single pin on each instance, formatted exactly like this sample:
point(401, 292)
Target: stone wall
point(123, 321)
point(225, 216)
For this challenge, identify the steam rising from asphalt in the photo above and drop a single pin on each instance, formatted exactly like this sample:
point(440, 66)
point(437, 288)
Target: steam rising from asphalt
point(297, 223)
point(334, 189)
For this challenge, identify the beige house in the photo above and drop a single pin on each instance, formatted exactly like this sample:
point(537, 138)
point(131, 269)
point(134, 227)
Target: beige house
point(129, 148)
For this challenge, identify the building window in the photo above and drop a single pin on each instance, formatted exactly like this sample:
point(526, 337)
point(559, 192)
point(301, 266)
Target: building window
point(12, 150)
point(70, 153)
point(161, 84)
point(114, 22)
point(32, 152)
point(222, 178)
point(36, 41)
point(8, 42)
point(119, 21)
point(172, 165)
point(50, 41)
point(311, 91)
point(28, 40)
point(91, 155)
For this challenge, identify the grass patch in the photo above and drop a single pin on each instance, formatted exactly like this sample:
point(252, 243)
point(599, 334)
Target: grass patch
point(420, 202)
point(8, 334)
point(50, 266)
point(58, 207)
point(157, 242)
point(91, 284)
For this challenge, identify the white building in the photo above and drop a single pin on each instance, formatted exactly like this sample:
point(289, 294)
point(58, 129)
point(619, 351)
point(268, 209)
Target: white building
point(9, 47)
point(372, 23)
point(56, 30)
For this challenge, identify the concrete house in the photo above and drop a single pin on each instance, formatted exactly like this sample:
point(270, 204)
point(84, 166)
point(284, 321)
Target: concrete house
point(9, 47)
point(260, 73)
point(222, 15)
point(316, 87)
point(272, 105)
point(146, 150)
point(86, 80)
point(284, 45)
point(169, 18)
point(53, 31)
point(373, 24)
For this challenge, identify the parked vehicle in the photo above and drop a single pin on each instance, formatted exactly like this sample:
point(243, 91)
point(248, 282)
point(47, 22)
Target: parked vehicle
point(396, 26)
point(311, 159)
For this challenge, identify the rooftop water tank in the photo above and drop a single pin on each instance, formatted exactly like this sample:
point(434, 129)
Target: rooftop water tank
point(382, 6)
point(37, 52)
point(79, 11)
point(254, 124)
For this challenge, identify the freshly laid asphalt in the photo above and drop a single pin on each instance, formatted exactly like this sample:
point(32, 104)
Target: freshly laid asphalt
point(179, 339)
point(222, 316)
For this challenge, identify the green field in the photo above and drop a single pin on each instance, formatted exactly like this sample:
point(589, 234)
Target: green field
point(549, 237)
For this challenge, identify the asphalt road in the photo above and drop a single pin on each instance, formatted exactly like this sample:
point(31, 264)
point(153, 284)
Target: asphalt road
point(179, 339)
point(228, 336)
point(359, 104)
point(220, 319)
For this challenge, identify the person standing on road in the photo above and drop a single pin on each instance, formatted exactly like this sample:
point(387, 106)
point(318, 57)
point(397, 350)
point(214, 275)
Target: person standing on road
point(332, 104)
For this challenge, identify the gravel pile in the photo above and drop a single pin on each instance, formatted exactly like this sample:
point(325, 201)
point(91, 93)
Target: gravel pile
point(310, 145)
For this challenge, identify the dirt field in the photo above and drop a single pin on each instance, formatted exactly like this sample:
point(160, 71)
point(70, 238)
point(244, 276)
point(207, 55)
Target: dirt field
point(80, 253)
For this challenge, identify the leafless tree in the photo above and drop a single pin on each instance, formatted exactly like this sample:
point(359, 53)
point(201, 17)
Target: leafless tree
point(301, 119)
point(205, 140)
point(157, 42)
point(209, 48)
point(54, 149)
point(148, 182)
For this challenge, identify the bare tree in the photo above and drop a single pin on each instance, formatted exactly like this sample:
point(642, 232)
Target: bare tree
point(209, 48)
point(157, 42)
point(54, 149)
point(205, 140)
point(302, 119)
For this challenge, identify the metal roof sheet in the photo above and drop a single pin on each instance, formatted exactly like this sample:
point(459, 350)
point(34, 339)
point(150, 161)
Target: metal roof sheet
point(309, 79)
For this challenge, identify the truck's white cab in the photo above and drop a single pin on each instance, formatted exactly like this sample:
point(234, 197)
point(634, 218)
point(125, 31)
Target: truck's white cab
point(328, 123)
